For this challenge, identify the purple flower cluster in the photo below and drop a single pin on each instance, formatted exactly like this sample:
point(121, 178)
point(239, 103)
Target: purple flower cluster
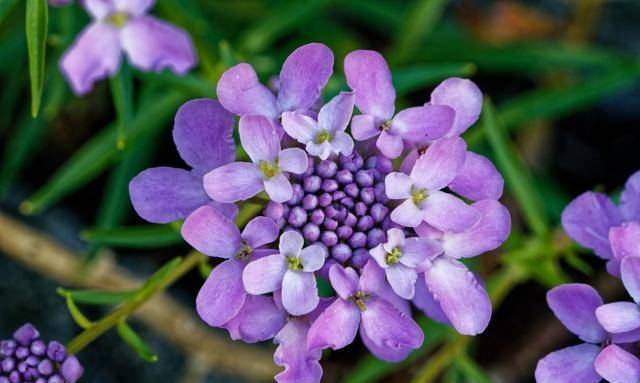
point(123, 26)
point(339, 209)
point(27, 358)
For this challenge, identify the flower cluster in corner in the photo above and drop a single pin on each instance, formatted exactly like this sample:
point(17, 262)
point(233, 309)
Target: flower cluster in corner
point(338, 209)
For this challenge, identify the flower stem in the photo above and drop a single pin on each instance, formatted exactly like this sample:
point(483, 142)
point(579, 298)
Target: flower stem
point(158, 282)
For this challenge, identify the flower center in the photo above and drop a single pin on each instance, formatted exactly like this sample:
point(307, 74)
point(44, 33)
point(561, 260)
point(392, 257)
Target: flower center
point(385, 125)
point(422, 150)
point(294, 263)
point(118, 19)
point(360, 299)
point(323, 136)
point(269, 169)
point(394, 256)
point(244, 253)
point(419, 195)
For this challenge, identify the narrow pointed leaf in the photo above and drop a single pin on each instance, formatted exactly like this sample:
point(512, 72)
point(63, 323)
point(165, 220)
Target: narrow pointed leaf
point(37, 19)
point(77, 315)
point(122, 94)
point(420, 20)
point(97, 297)
point(139, 237)
point(136, 342)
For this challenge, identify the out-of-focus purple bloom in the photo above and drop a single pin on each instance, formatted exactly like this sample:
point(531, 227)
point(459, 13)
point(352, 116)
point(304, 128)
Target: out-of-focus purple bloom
point(421, 189)
point(124, 26)
point(27, 358)
point(622, 317)
point(242, 180)
point(327, 135)
point(292, 270)
point(203, 134)
point(369, 77)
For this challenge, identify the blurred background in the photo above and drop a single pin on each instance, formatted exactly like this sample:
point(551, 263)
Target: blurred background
point(564, 76)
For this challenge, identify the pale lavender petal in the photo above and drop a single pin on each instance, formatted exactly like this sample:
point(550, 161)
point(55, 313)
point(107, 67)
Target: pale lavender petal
point(134, 7)
point(299, 292)
point(312, 257)
point(343, 280)
point(335, 328)
point(386, 327)
point(428, 231)
point(279, 188)
point(153, 45)
point(291, 243)
point(71, 369)
point(364, 126)
point(617, 365)
point(163, 195)
point(489, 233)
point(229, 210)
point(395, 238)
point(342, 143)
point(264, 275)
point(386, 292)
point(425, 301)
point(409, 161)
point(379, 254)
point(383, 352)
point(260, 231)
point(625, 337)
point(569, 365)
point(464, 97)
point(398, 185)
point(300, 365)
point(417, 252)
point(233, 182)
point(211, 233)
point(390, 145)
point(619, 317)
point(587, 220)
point(625, 240)
point(402, 280)
point(575, 305)
point(428, 122)
point(258, 320)
point(335, 115)
point(461, 296)
point(439, 165)
point(372, 278)
point(240, 92)
point(99, 8)
point(449, 213)
point(321, 150)
point(630, 198)
point(203, 133)
point(630, 272)
point(407, 214)
point(299, 127)
point(368, 75)
point(93, 56)
point(259, 138)
point(293, 160)
point(478, 179)
point(304, 73)
point(222, 295)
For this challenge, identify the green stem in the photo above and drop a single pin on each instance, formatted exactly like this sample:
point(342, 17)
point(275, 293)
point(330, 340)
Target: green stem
point(122, 94)
point(155, 285)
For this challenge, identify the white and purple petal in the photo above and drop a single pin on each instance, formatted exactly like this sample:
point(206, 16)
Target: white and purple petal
point(619, 317)
point(260, 231)
point(447, 212)
point(630, 273)
point(258, 320)
point(368, 75)
point(279, 188)
point(240, 92)
point(439, 165)
point(259, 138)
point(234, 182)
point(478, 179)
point(568, 365)
point(335, 115)
point(293, 160)
point(300, 365)
point(344, 281)
point(617, 365)
point(335, 328)
point(299, 292)
point(464, 97)
point(222, 295)
point(264, 275)
point(630, 198)
point(423, 123)
point(575, 304)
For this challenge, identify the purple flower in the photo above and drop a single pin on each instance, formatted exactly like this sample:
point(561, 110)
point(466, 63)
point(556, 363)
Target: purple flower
point(402, 258)
point(292, 270)
point(421, 189)
point(27, 358)
point(123, 25)
point(223, 301)
point(203, 134)
point(622, 317)
point(369, 77)
point(327, 135)
point(386, 331)
point(304, 73)
point(242, 180)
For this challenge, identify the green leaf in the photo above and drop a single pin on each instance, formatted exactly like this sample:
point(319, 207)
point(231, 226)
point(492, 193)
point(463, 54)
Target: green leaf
point(160, 274)
point(138, 237)
point(96, 297)
point(122, 94)
point(37, 19)
point(193, 85)
point(6, 6)
point(471, 370)
point(418, 23)
point(412, 78)
point(136, 342)
point(76, 314)
point(518, 179)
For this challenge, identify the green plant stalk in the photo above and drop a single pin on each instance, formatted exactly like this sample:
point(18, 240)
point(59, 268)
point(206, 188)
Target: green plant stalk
point(111, 320)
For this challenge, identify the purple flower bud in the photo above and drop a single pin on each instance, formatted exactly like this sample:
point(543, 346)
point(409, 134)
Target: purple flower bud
point(22, 352)
point(365, 223)
point(311, 232)
point(30, 374)
point(378, 212)
point(4, 379)
point(46, 367)
point(338, 195)
point(26, 334)
point(331, 211)
point(326, 169)
point(7, 365)
point(350, 220)
point(375, 237)
point(285, 210)
point(344, 232)
point(361, 209)
point(384, 165)
point(297, 195)
point(7, 347)
point(344, 176)
point(325, 199)
point(358, 240)
point(324, 271)
point(380, 193)
point(367, 195)
point(348, 202)
point(71, 369)
point(14, 377)
point(330, 224)
point(352, 190)
point(56, 352)
point(371, 162)
point(39, 380)
point(364, 178)
point(56, 379)
point(387, 224)
point(353, 162)
point(32, 360)
point(342, 213)
point(38, 348)
point(329, 185)
point(377, 175)
point(329, 238)
point(309, 202)
point(310, 168)
point(22, 367)
point(312, 184)
point(317, 216)
point(341, 252)
point(297, 217)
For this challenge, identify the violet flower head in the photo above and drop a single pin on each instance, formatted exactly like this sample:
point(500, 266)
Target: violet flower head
point(124, 26)
point(27, 358)
point(368, 75)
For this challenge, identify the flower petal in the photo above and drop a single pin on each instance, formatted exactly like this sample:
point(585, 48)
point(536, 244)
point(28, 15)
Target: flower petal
point(300, 127)
point(630, 272)
point(402, 280)
point(279, 188)
point(425, 301)
point(260, 231)
point(94, 55)
point(398, 185)
point(312, 257)
point(299, 292)
point(293, 160)
point(300, 365)
point(575, 305)
point(372, 278)
point(461, 296)
point(258, 320)
point(291, 243)
point(418, 251)
point(489, 233)
point(363, 127)
point(464, 97)
point(390, 145)
point(233, 182)
point(478, 179)
point(625, 240)
point(240, 92)
point(568, 365)
point(587, 220)
point(368, 75)
point(379, 254)
point(439, 165)
point(211, 233)
point(99, 8)
point(335, 115)
point(630, 198)
point(449, 213)
point(264, 275)
point(407, 214)
point(163, 195)
point(304, 73)
point(619, 317)
point(335, 328)
point(395, 238)
point(617, 365)
point(203, 133)
point(222, 295)
point(343, 280)
point(153, 45)
point(259, 138)
point(134, 7)
point(428, 122)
